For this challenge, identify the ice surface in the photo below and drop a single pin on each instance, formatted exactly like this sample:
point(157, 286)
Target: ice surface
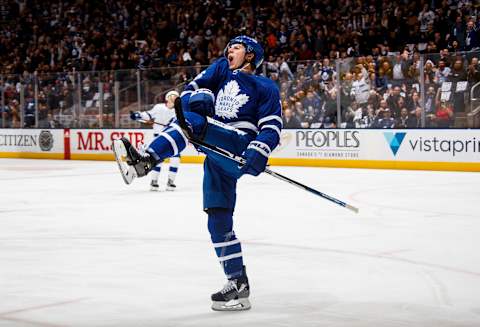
point(78, 247)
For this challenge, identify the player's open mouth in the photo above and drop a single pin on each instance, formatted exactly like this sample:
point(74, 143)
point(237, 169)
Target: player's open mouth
point(230, 59)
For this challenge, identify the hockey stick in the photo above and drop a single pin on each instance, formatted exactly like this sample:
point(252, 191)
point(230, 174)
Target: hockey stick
point(148, 122)
point(241, 161)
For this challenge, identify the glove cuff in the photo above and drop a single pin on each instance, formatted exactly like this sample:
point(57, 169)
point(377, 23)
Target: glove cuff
point(260, 147)
point(205, 92)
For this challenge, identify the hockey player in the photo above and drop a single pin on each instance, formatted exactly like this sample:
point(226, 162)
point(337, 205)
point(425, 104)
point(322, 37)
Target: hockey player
point(230, 107)
point(160, 116)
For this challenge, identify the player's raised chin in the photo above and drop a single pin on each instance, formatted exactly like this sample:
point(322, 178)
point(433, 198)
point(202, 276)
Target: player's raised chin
point(238, 58)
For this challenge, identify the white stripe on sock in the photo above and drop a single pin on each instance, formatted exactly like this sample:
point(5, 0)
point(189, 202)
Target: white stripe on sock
point(222, 244)
point(172, 142)
point(230, 256)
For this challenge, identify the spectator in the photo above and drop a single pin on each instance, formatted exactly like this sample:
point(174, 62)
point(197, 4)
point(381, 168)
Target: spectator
point(430, 101)
point(393, 99)
point(400, 68)
point(472, 41)
point(29, 112)
point(404, 120)
point(290, 121)
point(429, 72)
point(300, 114)
point(330, 109)
point(444, 115)
point(416, 119)
point(425, 17)
point(364, 117)
point(442, 73)
point(311, 104)
point(473, 74)
point(348, 119)
point(360, 89)
point(458, 74)
point(458, 32)
point(385, 119)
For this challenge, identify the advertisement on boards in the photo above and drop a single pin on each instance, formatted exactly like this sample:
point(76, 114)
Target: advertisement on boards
point(392, 145)
point(34, 142)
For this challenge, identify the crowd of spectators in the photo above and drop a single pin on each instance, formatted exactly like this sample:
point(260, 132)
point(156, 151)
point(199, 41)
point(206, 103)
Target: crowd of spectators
point(377, 43)
point(388, 97)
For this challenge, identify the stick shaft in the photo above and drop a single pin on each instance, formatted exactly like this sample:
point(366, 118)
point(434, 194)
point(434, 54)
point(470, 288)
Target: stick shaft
point(241, 161)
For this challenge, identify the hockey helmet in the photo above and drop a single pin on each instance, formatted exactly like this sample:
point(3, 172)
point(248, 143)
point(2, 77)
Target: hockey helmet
point(251, 46)
point(170, 93)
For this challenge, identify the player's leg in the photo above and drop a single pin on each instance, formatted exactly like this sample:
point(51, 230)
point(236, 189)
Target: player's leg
point(155, 173)
point(219, 189)
point(132, 162)
point(170, 142)
point(172, 172)
point(234, 295)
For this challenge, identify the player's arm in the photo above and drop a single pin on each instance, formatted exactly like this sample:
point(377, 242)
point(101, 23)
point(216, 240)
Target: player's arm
point(198, 95)
point(270, 126)
point(148, 116)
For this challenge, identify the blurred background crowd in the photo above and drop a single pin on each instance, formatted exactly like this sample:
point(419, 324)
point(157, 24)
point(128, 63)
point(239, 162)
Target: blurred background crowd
point(345, 63)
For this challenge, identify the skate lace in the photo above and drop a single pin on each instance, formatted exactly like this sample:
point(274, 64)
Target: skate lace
point(231, 285)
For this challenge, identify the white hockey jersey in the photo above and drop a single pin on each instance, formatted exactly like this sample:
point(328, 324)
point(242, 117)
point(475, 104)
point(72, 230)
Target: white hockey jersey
point(160, 114)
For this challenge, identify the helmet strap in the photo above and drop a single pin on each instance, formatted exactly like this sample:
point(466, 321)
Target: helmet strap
point(247, 65)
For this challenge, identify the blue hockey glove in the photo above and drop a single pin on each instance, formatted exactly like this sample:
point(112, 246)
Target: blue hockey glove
point(135, 115)
point(256, 157)
point(202, 102)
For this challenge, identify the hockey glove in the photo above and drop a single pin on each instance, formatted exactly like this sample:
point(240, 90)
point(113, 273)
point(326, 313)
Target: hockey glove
point(135, 115)
point(202, 102)
point(256, 157)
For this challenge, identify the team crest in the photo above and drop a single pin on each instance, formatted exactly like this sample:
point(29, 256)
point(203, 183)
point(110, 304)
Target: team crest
point(229, 101)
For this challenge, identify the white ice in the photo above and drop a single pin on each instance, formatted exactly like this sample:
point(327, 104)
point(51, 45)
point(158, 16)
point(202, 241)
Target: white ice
point(78, 247)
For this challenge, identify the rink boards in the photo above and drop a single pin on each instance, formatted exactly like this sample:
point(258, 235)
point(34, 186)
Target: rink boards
point(422, 149)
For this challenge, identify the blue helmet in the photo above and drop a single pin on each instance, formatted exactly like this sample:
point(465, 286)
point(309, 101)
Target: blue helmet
point(251, 46)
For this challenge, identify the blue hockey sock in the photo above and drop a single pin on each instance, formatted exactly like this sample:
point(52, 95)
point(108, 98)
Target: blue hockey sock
point(169, 143)
point(226, 244)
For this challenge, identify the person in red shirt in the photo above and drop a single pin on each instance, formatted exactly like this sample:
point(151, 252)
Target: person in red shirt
point(444, 115)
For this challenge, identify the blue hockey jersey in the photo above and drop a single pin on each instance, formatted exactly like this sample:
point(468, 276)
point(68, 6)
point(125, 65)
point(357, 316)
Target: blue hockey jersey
point(244, 101)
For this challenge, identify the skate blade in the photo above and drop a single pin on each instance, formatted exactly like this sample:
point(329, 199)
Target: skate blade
point(128, 172)
point(232, 305)
point(154, 189)
point(170, 189)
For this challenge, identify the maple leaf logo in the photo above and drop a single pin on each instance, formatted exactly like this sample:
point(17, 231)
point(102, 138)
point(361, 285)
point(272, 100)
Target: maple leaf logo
point(229, 100)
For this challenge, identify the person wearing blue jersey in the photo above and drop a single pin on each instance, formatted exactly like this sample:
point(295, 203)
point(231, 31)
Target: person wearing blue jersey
point(230, 107)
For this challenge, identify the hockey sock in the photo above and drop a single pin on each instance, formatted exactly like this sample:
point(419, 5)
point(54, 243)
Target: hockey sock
point(155, 172)
point(173, 168)
point(226, 244)
point(169, 143)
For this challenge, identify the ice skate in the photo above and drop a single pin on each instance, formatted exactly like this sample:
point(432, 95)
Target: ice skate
point(233, 296)
point(154, 185)
point(171, 185)
point(130, 162)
